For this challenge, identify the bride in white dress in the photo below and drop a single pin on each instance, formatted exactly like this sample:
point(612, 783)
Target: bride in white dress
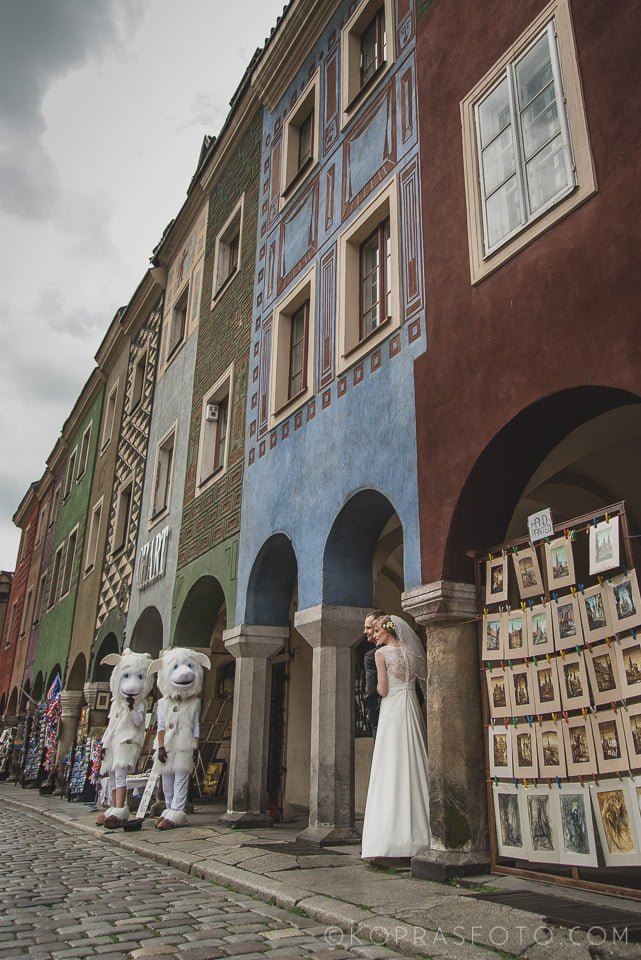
point(396, 811)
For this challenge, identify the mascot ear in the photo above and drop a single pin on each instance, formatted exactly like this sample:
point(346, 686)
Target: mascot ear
point(203, 660)
point(111, 659)
point(154, 666)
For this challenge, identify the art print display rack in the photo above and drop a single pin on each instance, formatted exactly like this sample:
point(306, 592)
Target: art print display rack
point(560, 651)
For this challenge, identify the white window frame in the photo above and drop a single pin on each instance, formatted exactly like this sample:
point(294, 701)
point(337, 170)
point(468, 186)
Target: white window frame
point(294, 173)
point(83, 459)
point(352, 93)
point(223, 389)
point(55, 505)
point(109, 417)
point(178, 324)
point(122, 520)
point(93, 537)
point(70, 558)
point(26, 610)
point(555, 17)
point(350, 347)
point(55, 575)
point(138, 381)
point(233, 226)
point(71, 470)
point(280, 404)
point(12, 619)
point(40, 599)
point(157, 513)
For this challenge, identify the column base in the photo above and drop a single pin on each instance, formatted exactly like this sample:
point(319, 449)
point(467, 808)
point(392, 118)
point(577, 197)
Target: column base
point(329, 836)
point(244, 819)
point(443, 865)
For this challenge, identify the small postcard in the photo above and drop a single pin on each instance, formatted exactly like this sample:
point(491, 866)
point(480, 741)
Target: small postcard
point(609, 740)
point(500, 751)
point(559, 562)
point(540, 631)
point(496, 581)
point(493, 630)
point(617, 824)
point(526, 761)
point(566, 622)
point(604, 545)
point(580, 752)
point(577, 843)
point(528, 573)
point(594, 605)
point(573, 681)
point(510, 835)
point(551, 749)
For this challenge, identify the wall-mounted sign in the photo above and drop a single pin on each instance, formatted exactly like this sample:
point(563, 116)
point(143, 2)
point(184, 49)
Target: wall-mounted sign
point(540, 525)
point(152, 559)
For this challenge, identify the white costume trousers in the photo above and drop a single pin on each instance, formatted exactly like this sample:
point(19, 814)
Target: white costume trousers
point(175, 787)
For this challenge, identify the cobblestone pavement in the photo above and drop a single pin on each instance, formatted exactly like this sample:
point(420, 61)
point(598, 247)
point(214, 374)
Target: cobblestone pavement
point(69, 895)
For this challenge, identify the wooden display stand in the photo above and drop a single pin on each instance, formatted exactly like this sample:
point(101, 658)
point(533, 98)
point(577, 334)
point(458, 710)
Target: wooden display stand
point(546, 852)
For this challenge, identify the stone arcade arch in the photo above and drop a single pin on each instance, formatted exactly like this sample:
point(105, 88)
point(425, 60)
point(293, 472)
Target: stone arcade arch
point(38, 687)
point(267, 690)
point(198, 614)
point(363, 569)
point(78, 673)
point(573, 451)
point(147, 634)
point(101, 673)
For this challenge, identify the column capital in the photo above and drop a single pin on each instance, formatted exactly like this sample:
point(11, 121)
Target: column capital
point(71, 702)
point(325, 625)
point(443, 601)
point(252, 640)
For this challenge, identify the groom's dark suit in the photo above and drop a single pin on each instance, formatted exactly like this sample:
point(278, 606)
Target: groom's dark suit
point(372, 699)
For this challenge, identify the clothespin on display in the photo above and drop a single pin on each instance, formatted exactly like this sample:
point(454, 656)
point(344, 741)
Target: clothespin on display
point(515, 721)
point(530, 719)
point(554, 718)
point(562, 654)
point(614, 706)
point(530, 603)
point(525, 782)
point(595, 522)
point(548, 658)
point(607, 518)
point(584, 712)
point(558, 782)
point(573, 590)
point(564, 714)
point(555, 596)
point(548, 783)
point(580, 587)
point(523, 605)
point(515, 549)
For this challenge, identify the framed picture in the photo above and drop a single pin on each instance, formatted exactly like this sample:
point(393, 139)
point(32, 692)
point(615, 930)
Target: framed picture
point(528, 573)
point(566, 622)
point(525, 757)
point(609, 740)
point(496, 581)
point(612, 802)
point(516, 634)
point(604, 545)
point(541, 825)
point(545, 680)
point(510, 835)
point(577, 844)
point(500, 751)
point(102, 700)
point(551, 749)
point(634, 784)
point(603, 674)
point(628, 657)
point(632, 729)
point(559, 562)
point(493, 630)
point(540, 634)
point(595, 613)
point(573, 681)
point(625, 602)
point(580, 754)
point(498, 692)
point(521, 690)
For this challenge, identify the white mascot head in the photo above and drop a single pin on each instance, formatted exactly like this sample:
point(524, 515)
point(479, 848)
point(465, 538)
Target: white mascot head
point(130, 676)
point(180, 672)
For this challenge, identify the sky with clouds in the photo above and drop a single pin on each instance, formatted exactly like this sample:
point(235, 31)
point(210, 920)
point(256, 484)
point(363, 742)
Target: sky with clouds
point(103, 108)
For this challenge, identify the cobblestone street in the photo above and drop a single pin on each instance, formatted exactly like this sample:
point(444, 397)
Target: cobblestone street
point(67, 894)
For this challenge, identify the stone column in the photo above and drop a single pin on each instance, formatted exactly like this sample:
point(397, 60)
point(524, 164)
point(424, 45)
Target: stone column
point(71, 702)
point(331, 631)
point(456, 774)
point(252, 646)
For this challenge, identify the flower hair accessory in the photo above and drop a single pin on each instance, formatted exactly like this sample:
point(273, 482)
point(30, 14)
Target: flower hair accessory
point(388, 625)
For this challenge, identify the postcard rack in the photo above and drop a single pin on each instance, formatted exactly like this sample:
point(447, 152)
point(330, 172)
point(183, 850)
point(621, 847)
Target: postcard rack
point(560, 653)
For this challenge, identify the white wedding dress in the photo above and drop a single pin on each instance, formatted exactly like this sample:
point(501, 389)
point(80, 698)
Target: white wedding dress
point(396, 810)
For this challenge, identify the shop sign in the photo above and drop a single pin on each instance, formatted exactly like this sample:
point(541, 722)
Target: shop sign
point(540, 525)
point(153, 559)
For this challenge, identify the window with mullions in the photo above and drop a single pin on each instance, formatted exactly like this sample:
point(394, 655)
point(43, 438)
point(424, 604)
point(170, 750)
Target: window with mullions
point(372, 46)
point(523, 142)
point(375, 279)
point(298, 351)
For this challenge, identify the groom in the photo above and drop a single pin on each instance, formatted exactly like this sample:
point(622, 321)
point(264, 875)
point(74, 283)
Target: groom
point(372, 699)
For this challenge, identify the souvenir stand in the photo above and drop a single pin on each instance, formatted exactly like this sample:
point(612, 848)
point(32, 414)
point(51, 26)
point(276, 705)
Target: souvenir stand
point(81, 781)
point(35, 747)
point(561, 674)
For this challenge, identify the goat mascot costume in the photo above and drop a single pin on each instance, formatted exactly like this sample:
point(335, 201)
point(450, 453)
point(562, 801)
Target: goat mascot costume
point(130, 684)
point(180, 681)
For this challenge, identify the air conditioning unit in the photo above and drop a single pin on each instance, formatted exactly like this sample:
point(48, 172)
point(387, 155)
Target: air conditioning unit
point(211, 411)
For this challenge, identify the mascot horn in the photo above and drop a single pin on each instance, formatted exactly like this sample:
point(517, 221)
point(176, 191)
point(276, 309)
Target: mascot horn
point(180, 681)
